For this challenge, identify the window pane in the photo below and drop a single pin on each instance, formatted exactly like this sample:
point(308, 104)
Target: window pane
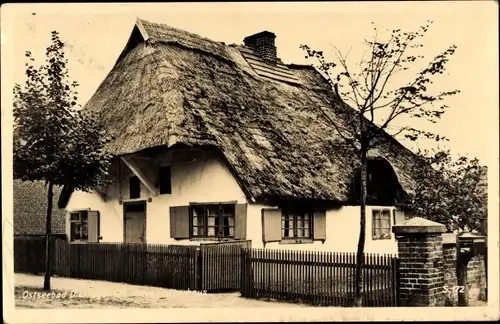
point(84, 216)
point(286, 224)
point(376, 223)
point(212, 211)
point(85, 231)
point(198, 220)
point(201, 221)
point(198, 211)
point(228, 210)
point(307, 232)
point(386, 223)
point(75, 234)
point(211, 221)
point(211, 231)
point(300, 222)
point(227, 220)
point(75, 216)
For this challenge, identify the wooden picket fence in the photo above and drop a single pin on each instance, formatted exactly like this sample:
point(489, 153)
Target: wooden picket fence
point(319, 278)
point(29, 254)
point(209, 267)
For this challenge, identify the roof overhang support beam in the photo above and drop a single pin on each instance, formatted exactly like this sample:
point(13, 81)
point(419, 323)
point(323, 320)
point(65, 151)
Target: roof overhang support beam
point(140, 171)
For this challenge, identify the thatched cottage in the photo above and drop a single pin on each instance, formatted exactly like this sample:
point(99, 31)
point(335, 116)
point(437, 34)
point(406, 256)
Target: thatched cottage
point(226, 142)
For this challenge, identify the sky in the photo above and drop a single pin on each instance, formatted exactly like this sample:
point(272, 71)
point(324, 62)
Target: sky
point(96, 34)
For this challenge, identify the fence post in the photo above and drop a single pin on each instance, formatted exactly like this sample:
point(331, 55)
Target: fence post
point(242, 271)
point(397, 265)
point(199, 269)
point(421, 262)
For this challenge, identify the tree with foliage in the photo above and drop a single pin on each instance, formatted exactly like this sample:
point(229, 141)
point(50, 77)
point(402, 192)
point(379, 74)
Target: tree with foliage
point(376, 92)
point(453, 192)
point(54, 141)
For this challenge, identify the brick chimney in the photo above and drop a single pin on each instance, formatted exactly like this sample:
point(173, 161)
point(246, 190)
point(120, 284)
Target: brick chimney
point(263, 44)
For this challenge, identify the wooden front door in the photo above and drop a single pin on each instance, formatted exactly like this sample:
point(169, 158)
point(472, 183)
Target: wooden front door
point(135, 222)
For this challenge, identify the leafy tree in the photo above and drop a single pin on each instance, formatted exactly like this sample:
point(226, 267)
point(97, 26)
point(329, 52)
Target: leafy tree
point(374, 95)
point(453, 192)
point(54, 141)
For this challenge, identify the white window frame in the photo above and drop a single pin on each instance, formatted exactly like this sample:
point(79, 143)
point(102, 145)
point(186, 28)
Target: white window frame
point(292, 215)
point(204, 225)
point(383, 212)
point(79, 211)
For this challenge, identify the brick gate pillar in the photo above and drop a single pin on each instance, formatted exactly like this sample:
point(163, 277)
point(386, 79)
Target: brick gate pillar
point(420, 252)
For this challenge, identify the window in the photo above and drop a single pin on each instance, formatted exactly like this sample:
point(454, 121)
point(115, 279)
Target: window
point(134, 187)
point(79, 225)
point(164, 179)
point(381, 224)
point(212, 221)
point(296, 225)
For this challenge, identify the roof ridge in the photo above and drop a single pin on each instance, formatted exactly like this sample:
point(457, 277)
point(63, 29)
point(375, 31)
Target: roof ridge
point(179, 30)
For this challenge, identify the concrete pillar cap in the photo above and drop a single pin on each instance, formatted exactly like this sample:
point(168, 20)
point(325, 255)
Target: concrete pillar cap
point(418, 225)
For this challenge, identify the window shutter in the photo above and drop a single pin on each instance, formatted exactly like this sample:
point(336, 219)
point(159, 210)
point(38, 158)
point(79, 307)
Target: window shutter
point(271, 225)
point(375, 224)
point(240, 221)
point(399, 216)
point(93, 226)
point(319, 225)
point(179, 222)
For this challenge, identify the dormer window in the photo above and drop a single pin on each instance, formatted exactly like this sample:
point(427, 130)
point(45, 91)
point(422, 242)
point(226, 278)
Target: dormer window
point(134, 187)
point(164, 179)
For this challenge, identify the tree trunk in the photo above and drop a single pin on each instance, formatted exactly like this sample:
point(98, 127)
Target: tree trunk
point(48, 234)
point(358, 300)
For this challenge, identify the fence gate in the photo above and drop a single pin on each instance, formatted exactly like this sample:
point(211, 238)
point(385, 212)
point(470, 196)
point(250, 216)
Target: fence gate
point(219, 266)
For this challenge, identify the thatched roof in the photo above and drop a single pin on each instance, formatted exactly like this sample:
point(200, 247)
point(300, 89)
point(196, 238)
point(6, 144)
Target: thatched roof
point(30, 209)
point(172, 87)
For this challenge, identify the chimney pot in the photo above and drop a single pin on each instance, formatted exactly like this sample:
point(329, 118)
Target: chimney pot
point(263, 44)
